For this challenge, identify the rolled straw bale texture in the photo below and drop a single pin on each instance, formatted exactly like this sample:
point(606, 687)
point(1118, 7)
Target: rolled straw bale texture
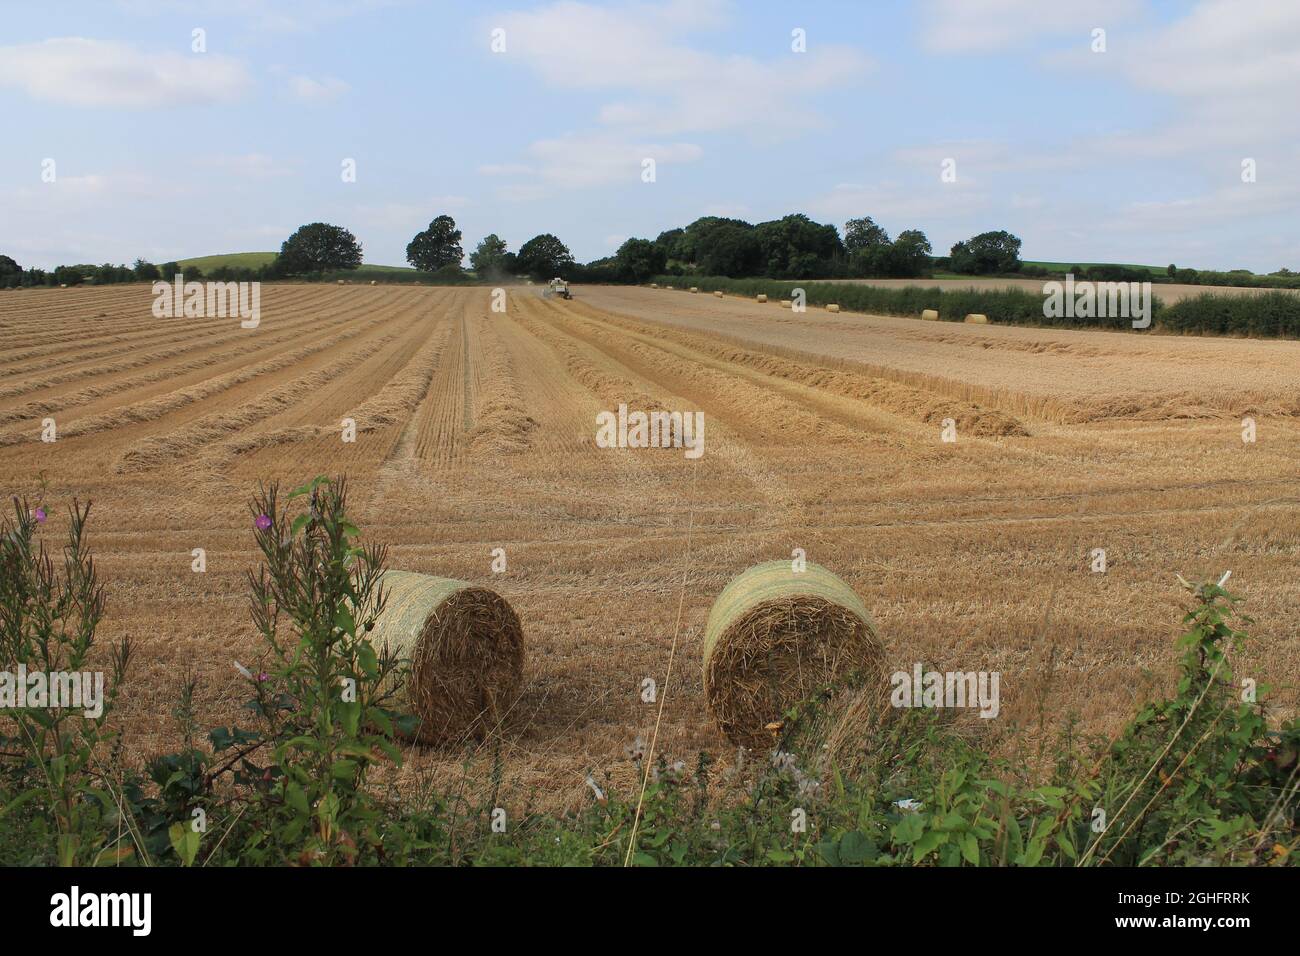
point(466, 649)
point(975, 318)
point(930, 315)
point(718, 294)
point(785, 303)
point(832, 307)
point(762, 297)
point(774, 637)
point(694, 289)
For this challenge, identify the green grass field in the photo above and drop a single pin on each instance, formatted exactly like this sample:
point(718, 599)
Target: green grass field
point(255, 260)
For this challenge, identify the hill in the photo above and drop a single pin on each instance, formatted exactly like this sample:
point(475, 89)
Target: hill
point(254, 260)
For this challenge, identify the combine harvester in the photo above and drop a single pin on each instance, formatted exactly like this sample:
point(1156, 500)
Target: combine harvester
point(557, 286)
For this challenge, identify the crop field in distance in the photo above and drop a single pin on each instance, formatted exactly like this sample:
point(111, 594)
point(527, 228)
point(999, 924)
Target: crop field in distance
point(476, 431)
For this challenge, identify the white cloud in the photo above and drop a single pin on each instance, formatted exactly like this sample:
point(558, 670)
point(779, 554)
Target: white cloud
point(311, 90)
point(248, 165)
point(93, 73)
point(897, 206)
point(594, 159)
point(635, 48)
point(407, 216)
point(984, 26)
point(505, 169)
point(282, 16)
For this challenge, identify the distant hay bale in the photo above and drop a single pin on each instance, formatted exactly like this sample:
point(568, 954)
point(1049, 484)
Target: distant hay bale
point(976, 318)
point(466, 649)
point(832, 307)
point(774, 637)
point(341, 282)
point(63, 285)
point(785, 303)
point(694, 289)
point(374, 282)
point(654, 285)
point(718, 294)
point(762, 297)
point(930, 315)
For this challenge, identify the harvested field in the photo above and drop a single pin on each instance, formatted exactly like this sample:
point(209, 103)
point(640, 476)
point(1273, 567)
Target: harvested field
point(476, 431)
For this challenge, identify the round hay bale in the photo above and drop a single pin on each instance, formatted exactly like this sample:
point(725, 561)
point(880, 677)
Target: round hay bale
point(774, 637)
point(654, 285)
point(374, 282)
point(975, 318)
point(930, 315)
point(762, 297)
point(466, 649)
point(694, 289)
point(718, 294)
point(785, 303)
point(832, 307)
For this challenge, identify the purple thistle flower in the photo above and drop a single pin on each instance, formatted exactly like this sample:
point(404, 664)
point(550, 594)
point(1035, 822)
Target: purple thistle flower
point(40, 515)
point(262, 522)
point(262, 677)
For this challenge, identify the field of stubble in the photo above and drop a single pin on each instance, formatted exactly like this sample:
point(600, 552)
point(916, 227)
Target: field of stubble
point(476, 431)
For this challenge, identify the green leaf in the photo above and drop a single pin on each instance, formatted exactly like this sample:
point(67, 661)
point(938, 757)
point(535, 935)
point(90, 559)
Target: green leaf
point(970, 848)
point(296, 798)
point(185, 841)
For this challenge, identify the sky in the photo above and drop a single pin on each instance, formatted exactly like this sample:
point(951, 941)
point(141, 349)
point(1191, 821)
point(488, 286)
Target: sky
point(1168, 136)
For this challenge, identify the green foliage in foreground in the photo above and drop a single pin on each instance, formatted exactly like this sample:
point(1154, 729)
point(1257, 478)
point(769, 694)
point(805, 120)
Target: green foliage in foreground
point(1197, 777)
point(1264, 314)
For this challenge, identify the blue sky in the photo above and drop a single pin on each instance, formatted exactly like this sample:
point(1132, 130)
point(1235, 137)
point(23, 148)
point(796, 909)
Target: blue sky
point(1133, 154)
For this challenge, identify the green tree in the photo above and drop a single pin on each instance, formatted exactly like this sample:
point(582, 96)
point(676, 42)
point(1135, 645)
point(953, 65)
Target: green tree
point(797, 247)
point(730, 249)
point(670, 243)
point(437, 246)
point(870, 251)
point(490, 258)
point(988, 253)
point(319, 247)
point(639, 259)
point(909, 256)
point(146, 271)
point(544, 257)
point(864, 233)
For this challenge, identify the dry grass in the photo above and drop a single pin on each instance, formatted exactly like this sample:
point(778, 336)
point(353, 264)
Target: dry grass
point(821, 434)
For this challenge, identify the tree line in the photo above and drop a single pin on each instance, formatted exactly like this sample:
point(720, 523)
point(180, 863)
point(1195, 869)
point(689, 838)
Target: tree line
point(792, 247)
